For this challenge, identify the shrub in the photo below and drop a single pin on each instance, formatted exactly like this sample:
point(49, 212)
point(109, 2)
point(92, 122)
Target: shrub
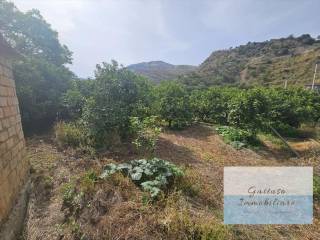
point(151, 175)
point(146, 132)
point(238, 138)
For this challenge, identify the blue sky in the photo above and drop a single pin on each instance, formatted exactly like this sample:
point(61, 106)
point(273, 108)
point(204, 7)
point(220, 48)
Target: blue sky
point(175, 31)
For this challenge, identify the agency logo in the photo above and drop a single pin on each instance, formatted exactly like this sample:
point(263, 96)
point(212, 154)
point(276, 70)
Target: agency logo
point(268, 195)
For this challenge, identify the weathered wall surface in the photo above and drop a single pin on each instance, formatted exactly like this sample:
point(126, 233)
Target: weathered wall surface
point(13, 162)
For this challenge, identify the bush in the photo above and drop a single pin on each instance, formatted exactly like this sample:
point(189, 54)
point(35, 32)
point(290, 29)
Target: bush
point(151, 175)
point(238, 138)
point(146, 132)
point(70, 135)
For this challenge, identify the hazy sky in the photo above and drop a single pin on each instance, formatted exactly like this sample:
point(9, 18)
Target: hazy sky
point(175, 31)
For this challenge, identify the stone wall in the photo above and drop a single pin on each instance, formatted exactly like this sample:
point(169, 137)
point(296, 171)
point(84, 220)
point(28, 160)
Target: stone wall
point(13, 162)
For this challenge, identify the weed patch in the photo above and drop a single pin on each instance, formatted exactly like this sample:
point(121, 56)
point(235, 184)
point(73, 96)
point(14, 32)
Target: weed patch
point(236, 137)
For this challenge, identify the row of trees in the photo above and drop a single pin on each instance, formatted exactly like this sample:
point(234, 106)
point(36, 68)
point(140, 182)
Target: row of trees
point(105, 106)
point(117, 104)
point(258, 108)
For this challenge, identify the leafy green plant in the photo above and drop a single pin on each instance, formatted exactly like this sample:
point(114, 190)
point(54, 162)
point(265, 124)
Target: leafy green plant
point(236, 137)
point(146, 132)
point(68, 193)
point(151, 175)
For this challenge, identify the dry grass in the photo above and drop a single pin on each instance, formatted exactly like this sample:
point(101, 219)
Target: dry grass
point(117, 209)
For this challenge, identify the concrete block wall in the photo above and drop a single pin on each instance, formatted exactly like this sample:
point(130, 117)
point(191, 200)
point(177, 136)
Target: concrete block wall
point(14, 166)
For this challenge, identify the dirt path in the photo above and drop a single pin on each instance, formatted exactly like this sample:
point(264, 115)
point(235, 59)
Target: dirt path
point(49, 170)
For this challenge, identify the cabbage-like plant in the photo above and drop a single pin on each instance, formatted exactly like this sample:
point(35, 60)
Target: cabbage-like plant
point(151, 175)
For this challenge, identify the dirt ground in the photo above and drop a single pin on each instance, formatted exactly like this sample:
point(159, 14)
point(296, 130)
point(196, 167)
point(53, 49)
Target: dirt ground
point(115, 209)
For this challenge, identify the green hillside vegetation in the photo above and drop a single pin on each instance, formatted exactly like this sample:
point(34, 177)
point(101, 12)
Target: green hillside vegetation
point(159, 71)
point(264, 63)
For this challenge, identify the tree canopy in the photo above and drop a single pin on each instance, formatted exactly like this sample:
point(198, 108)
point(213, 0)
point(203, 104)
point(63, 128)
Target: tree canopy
point(41, 74)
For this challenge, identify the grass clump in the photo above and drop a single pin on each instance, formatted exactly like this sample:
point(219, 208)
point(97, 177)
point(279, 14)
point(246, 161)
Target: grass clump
point(73, 135)
point(88, 181)
point(273, 139)
point(189, 184)
point(48, 182)
point(68, 191)
point(69, 135)
point(152, 175)
point(180, 222)
point(195, 186)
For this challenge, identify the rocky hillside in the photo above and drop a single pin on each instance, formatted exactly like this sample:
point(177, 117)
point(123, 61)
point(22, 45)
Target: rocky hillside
point(260, 63)
point(158, 70)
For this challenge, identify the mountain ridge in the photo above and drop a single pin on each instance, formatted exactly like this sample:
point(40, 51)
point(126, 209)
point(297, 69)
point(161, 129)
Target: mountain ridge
point(159, 70)
point(270, 62)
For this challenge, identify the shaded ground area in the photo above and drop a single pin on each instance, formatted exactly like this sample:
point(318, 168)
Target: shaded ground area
point(117, 209)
